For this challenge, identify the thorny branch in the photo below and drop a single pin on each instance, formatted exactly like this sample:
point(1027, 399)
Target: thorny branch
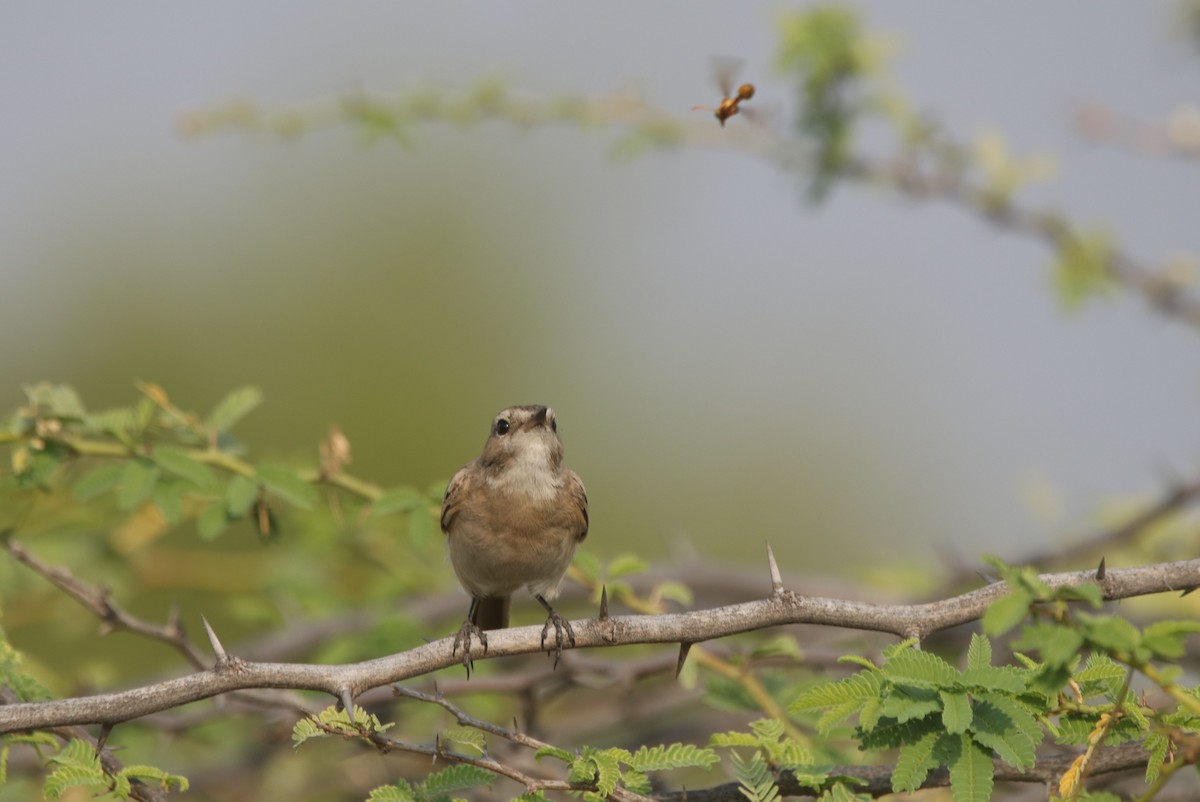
point(876, 780)
point(348, 681)
point(138, 789)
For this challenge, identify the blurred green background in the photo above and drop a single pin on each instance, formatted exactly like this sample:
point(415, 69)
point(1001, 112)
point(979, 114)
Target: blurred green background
point(867, 380)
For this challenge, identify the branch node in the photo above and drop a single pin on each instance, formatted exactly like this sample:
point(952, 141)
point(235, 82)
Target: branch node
point(215, 642)
point(776, 577)
point(684, 648)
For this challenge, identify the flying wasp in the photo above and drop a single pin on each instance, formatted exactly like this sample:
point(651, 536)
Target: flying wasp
point(724, 70)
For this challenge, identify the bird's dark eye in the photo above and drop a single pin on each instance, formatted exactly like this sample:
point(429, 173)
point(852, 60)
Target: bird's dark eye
point(502, 426)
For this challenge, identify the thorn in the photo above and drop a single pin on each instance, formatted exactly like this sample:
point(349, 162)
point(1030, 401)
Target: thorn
point(347, 703)
point(516, 726)
point(776, 578)
point(1189, 590)
point(105, 730)
point(174, 624)
point(603, 603)
point(1100, 571)
point(684, 648)
point(214, 641)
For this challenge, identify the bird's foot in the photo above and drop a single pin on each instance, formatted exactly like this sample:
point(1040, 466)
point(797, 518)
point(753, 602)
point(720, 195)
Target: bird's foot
point(462, 639)
point(560, 625)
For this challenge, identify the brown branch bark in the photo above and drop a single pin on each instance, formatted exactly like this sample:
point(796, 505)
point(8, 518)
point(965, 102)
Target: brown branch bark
point(784, 607)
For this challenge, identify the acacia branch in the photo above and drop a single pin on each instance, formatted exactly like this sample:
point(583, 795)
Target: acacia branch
point(231, 673)
point(876, 780)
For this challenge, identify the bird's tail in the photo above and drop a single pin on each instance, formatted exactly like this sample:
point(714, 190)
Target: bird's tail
point(491, 613)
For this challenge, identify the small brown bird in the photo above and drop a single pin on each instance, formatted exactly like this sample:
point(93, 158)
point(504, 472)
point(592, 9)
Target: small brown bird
point(513, 517)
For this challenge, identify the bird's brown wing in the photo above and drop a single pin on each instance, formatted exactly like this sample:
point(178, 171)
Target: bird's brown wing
point(456, 493)
point(579, 496)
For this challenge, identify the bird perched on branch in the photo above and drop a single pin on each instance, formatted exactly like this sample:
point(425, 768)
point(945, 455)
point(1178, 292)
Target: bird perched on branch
point(513, 517)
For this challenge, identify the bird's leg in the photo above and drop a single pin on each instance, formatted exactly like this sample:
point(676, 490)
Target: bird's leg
point(560, 624)
point(463, 637)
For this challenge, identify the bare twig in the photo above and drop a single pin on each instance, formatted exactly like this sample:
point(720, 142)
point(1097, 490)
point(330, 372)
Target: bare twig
point(98, 601)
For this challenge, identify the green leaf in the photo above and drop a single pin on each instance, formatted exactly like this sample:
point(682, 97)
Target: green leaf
point(288, 485)
point(400, 499)
point(1101, 675)
point(588, 565)
point(755, 778)
point(455, 778)
point(890, 734)
point(1058, 644)
point(920, 669)
point(854, 688)
point(178, 462)
point(1006, 612)
point(153, 774)
point(99, 481)
point(841, 793)
point(34, 739)
point(1005, 725)
point(636, 782)
point(1090, 593)
point(305, 729)
point(956, 711)
point(995, 678)
point(608, 770)
point(907, 704)
point(733, 738)
point(55, 400)
point(979, 653)
point(137, 483)
point(233, 408)
point(971, 773)
point(168, 497)
point(626, 564)
point(1157, 745)
point(674, 591)
point(212, 522)
point(1166, 638)
point(401, 791)
point(466, 736)
point(914, 763)
point(555, 752)
point(675, 756)
point(116, 422)
point(1110, 632)
point(240, 495)
point(77, 766)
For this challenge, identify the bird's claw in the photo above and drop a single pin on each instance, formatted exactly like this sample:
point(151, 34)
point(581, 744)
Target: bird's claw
point(560, 625)
point(462, 639)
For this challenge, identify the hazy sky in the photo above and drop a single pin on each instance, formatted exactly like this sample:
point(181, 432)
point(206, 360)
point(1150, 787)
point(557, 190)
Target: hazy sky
point(730, 364)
